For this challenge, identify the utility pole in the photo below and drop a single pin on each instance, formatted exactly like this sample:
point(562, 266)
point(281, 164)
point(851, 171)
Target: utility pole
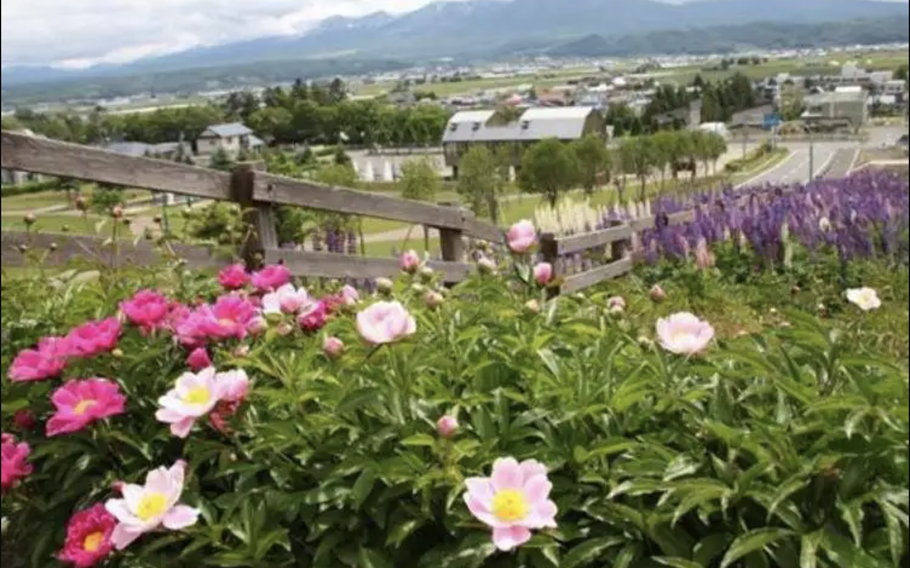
point(811, 155)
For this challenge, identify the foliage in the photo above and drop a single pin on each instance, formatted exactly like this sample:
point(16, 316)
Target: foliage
point(638, 158)
point(106, 197)
point(419, 180)
point(901, 73)
point(787, 448)
point(480, 181)
point(549, 168)
point(221, 161)
point(720, 101)
point(593, 161)
point(217, 222)
point(31, 187)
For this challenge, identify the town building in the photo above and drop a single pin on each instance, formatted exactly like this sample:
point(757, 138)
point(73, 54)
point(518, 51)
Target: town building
point(232, 139)
point(839, 109)
point(493, 130)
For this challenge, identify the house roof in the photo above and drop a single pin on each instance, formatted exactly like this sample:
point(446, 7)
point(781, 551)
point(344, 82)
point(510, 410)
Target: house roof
point(226, 130)
point(534, 124)
point(141, 149)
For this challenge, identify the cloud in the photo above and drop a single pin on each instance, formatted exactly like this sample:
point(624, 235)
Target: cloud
point(79, 33)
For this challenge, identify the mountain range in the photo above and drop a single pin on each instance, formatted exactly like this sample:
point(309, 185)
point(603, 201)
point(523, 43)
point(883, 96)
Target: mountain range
point(479, 29)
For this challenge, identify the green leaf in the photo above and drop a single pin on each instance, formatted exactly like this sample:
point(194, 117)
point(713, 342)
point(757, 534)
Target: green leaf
point(420, 440)
point(808, 557)
point(678, 562)
point(358, 400)
point(710, 548)
point(363, 487)
point(852, 514)
point(751, 542)
point(895, 532)
point(786, 490)
point(589, 551)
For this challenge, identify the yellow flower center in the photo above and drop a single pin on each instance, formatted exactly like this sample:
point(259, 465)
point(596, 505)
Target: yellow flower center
point(198, 396)
point(93, 542)
point(83, 406)
point(153, 505)
point(510, 506)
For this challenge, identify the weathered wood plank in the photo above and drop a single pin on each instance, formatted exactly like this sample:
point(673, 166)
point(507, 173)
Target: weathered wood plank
point(592, 277)
point(587, 241)
point(25, 153)
point(262, 233)
point(324, 265)
point(675, 219)
point(286, 191)
point(60, 250)
point(483, 230)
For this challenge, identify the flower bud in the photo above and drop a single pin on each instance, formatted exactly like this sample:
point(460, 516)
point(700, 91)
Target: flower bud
point(29, 219)
point(533, 306)
point(384, 285)
point(447, 427)
point(486, 265)
point(658, 294)
point(433, 299)
point(427, 274)
point(81, 204)
point(333, 347)
point(24, 420)
point(117, 212)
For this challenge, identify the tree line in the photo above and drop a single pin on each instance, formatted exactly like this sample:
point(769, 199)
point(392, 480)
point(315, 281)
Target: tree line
point(551, 168)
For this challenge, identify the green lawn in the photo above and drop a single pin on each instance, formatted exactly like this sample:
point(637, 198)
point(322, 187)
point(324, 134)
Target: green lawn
point(32, 201)
point(77, 225)
point(447, 89)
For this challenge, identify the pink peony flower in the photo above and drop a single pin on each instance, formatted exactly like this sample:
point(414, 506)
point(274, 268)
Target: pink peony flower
point(144, 509)
point(447, 426)
point(385, 322)
point(46, 362)
point(147, 310)
point(522, 237)
point(286, 300)
point(94, 338)
point(409, 262)
point(313, 317)
point(271, 278)
point(333, 347)
point(199, 359)
point(79, 403)
point(513, 502)
point(234, 277)
point(350, 295)
point(231, 317)
point(235, 386)
point(14, 466)
point(543, 273)
point(88, 538)
point(684, 334)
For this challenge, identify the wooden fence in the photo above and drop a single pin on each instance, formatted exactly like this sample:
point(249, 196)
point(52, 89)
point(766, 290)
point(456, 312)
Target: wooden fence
point(257, 192)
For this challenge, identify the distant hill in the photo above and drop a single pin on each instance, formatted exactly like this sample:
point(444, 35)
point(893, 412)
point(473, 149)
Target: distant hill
point(730, 39)
point(479, 28)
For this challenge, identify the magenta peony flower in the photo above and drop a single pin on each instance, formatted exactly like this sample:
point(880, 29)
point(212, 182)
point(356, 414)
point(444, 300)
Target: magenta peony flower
point(522, 237)
point(14, 466)
point(46, 362)
point(234, 277)
point(447, 427)
point(313, 317)
point(94, 338)
point(148, 508)
point(79, 403)
point(543, 273)
point(231, 317)
point(385, 322)
point(147, 310)
point(333, 347)
point(25, 420)
point(513, 502)
point(684, 334)
point(271, 278)
point(199, 359)
point(409, 262)
point(89, 538)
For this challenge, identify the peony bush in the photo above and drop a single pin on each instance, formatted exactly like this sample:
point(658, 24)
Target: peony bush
point(244, 420)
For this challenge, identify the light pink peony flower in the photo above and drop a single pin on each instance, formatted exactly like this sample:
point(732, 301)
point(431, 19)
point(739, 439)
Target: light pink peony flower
point(285, 300)
point(89, 538)
point(447, 427)
point(684, 334)
point(193, 397)
point(271, 278)
point(147, 310)
point(313, 317)
point(94, 338)
point(385, 322)
point(234, 277)
point(14, 466)
point(333, 347)
point(522, 237)
point(46, 362)
point(199, 359)
point(616, 305)
point(543, 273)
point(350, 295)
point(409, 262)
point(144, 509)
point(513, 502)
point(865, 299)
point(80, 403)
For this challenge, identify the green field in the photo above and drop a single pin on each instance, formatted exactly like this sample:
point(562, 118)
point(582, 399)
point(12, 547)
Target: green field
point(41, 200)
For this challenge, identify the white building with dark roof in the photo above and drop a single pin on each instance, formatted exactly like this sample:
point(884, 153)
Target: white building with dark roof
point(231, 138)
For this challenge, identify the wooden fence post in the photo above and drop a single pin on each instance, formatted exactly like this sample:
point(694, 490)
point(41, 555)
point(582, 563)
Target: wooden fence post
point(452, 240)
point(259, 218)
point(619, 249)
point(549, 249)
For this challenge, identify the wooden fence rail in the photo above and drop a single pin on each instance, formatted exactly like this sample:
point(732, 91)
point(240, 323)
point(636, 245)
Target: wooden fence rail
point(257, 192)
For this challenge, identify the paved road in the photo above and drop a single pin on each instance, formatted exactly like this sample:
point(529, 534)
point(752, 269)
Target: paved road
point(795, 168)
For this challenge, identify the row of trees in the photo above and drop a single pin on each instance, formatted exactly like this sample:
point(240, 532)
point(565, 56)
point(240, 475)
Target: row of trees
point(721, 100)
point(551, 168)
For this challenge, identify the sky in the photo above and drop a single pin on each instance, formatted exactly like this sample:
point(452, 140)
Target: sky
point(82, 33)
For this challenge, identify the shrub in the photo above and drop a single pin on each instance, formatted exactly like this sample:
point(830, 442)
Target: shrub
point(787, 449)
